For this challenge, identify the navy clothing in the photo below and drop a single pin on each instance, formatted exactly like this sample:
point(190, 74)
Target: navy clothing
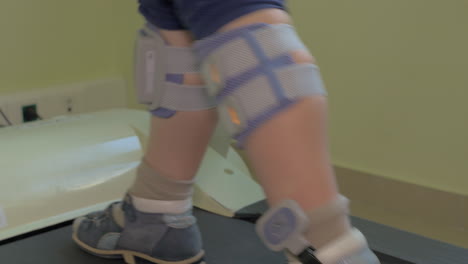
point(201, 17)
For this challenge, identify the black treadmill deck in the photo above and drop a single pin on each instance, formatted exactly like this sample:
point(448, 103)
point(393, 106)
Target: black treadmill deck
point(226, 241)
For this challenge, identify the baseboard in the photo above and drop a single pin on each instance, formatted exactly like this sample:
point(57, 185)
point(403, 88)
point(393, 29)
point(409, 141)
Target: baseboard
point(428, 212)
point(414, 208)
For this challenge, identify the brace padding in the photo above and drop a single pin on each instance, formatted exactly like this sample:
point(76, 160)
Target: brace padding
point(253, 75)
point(159, 74)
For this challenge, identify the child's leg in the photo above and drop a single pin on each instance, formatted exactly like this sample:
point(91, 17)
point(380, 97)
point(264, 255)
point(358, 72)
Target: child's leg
point(155, 222)
point(177, 144)
point(271, 98)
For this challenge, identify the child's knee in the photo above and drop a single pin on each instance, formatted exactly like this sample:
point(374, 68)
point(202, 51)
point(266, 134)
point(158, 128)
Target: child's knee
point(256, 72)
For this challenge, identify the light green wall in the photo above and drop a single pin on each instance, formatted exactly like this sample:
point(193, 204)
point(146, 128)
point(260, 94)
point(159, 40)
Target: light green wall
point(127, 20)
point(396, 71)
point(50, 42)
point(397, 74)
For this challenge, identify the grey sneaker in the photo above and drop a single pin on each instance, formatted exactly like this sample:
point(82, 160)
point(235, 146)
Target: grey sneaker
point(140, 238)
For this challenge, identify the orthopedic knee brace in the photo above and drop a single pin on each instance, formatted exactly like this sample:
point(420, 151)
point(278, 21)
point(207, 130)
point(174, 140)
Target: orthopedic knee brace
point(159, 75)
point(252, 73)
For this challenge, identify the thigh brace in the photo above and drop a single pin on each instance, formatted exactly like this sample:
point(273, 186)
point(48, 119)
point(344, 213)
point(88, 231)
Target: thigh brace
point(252, 73)
point(159, 75)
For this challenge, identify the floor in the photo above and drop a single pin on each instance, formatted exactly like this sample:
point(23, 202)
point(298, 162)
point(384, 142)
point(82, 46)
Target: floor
point(227, 241)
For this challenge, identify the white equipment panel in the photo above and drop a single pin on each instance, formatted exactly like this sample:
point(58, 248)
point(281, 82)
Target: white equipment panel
point(55, 170)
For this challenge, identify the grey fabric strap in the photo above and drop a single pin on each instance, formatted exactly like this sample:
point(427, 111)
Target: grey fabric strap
point(301, 80)
point(155, 62)
point(181, 60)
point(329, 222)
point(150, 184)
point(186, 98)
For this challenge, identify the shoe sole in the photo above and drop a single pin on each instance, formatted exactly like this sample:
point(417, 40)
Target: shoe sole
point(132, 257)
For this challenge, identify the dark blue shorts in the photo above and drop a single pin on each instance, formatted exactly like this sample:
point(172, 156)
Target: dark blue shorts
point(201, 17)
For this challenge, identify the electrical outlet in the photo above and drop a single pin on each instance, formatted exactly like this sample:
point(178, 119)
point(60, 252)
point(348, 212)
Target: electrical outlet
point(59, 103)
point(30, 113)
point(76, 101)
point(72, 101)
point(17, 107)
point(69, 104)
point(68, 99)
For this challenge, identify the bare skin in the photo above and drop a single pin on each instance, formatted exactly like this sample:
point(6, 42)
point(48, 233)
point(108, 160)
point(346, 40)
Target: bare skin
point(177, 145)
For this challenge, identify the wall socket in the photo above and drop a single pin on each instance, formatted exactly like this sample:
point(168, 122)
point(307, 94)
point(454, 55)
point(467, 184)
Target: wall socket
point(30, 113)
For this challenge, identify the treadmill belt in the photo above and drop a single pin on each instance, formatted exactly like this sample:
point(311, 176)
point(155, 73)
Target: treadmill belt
point(227, 241)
